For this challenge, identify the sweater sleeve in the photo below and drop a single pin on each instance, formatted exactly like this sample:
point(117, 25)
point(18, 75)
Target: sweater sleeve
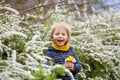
point(77, 64)
point(48, 53)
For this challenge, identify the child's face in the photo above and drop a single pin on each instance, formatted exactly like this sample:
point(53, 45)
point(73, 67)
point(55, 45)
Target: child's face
point(60, 36)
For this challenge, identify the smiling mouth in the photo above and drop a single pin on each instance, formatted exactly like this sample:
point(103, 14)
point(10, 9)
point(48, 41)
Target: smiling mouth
point(60, 40)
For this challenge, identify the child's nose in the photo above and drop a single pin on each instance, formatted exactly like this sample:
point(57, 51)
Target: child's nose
point(60, 35)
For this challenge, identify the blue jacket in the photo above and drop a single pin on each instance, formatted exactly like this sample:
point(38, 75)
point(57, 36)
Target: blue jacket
point(60, 56)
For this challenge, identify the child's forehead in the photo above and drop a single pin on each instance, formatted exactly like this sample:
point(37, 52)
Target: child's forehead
point(60, 28)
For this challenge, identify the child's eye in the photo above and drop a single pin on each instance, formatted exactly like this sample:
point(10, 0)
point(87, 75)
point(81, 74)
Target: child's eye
point(63, 34)
point(56, 33)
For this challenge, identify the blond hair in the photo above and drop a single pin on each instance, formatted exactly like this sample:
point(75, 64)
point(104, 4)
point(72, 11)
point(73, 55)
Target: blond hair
point(61, 25)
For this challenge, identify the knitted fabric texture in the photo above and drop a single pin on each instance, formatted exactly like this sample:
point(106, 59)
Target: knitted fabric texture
point(61, 48)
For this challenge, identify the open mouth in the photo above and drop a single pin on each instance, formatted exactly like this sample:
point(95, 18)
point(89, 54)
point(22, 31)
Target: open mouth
point(60, 40)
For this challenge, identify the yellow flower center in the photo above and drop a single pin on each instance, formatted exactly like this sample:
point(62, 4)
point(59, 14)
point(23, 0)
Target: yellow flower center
point(70, 58)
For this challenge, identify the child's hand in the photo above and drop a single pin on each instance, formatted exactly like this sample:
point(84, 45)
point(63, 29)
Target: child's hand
point(69, 65)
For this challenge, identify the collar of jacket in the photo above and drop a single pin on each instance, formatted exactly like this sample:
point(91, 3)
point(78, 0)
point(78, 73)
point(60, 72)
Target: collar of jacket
point(61, 48)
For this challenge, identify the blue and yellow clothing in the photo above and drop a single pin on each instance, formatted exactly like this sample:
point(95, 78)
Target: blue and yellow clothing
point(59, 57)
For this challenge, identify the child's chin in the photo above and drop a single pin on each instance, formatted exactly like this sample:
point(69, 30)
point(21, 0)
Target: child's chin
point(60, 44)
